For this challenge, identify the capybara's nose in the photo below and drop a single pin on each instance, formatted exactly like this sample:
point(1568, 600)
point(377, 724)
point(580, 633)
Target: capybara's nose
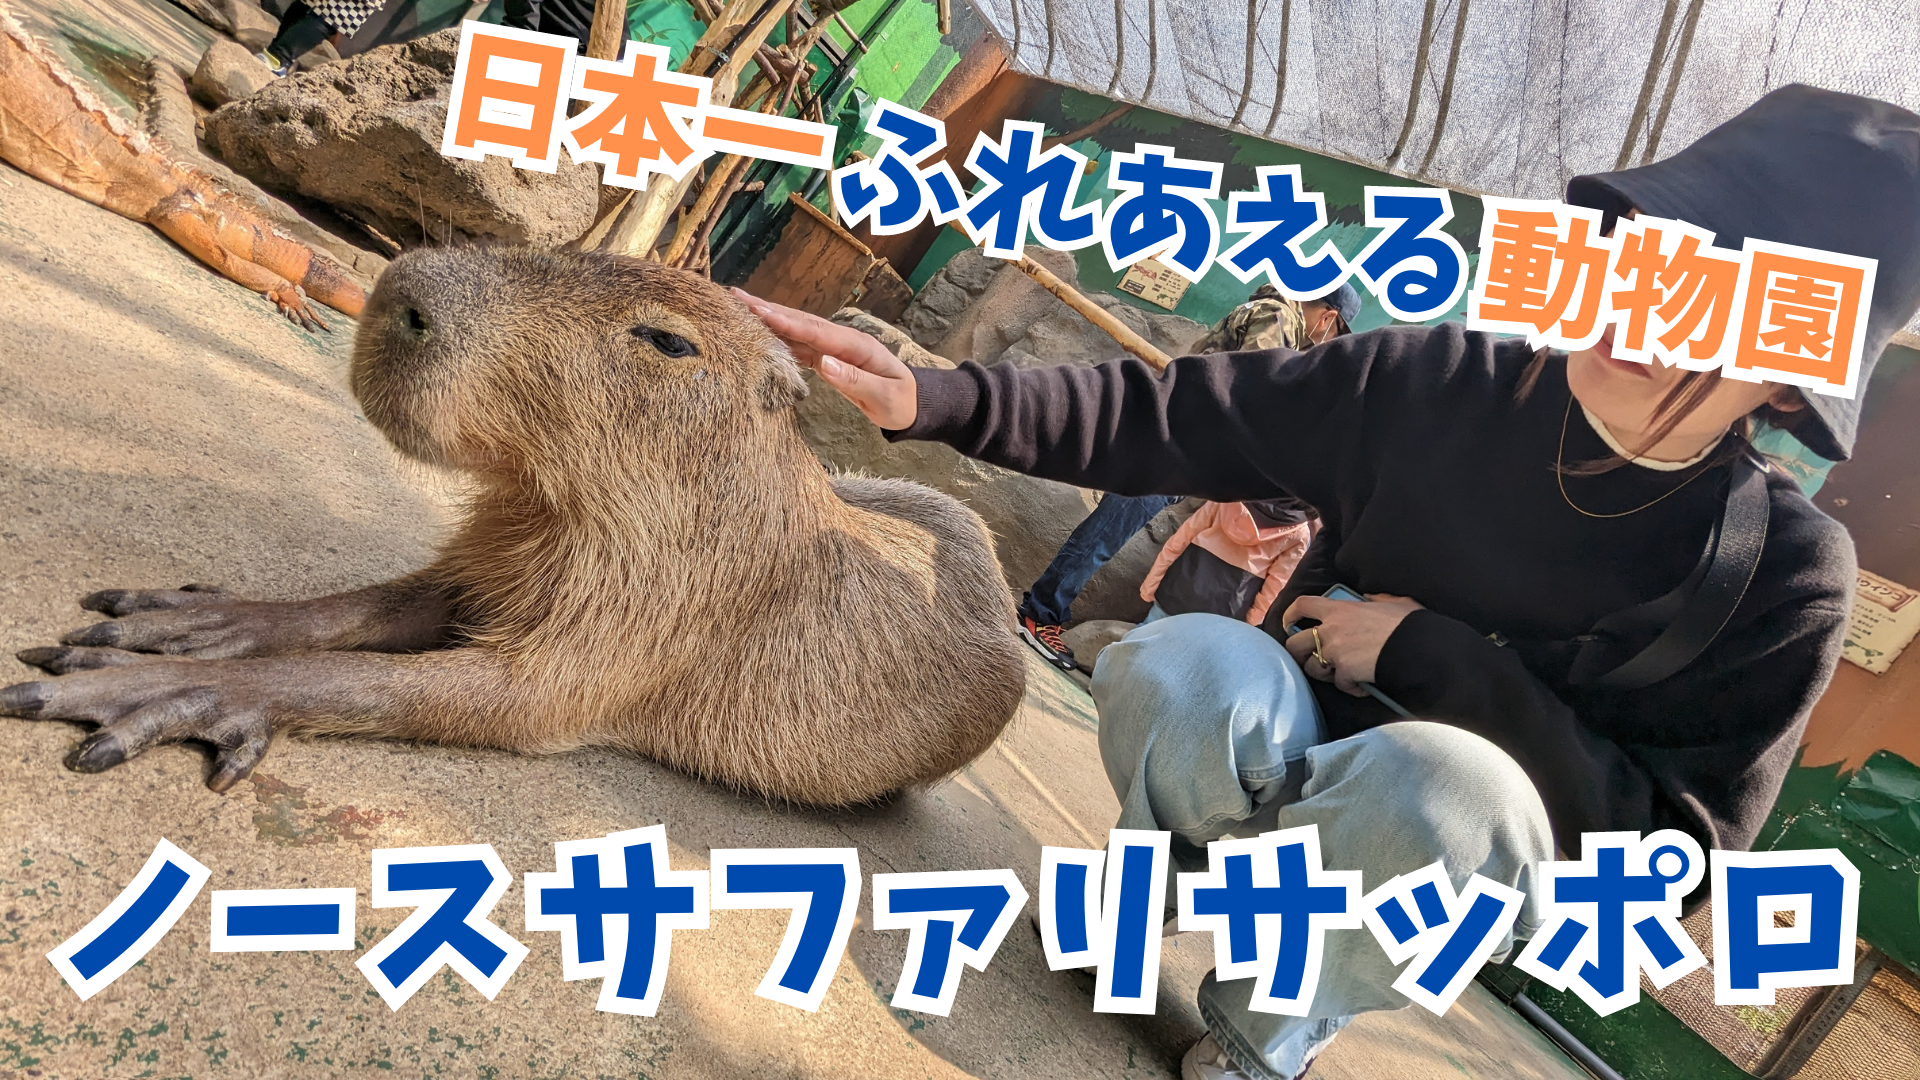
point(415, 322)
point(426, 296)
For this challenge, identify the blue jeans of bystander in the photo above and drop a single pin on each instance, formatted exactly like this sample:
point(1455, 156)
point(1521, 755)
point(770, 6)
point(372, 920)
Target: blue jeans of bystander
point(1096, 539)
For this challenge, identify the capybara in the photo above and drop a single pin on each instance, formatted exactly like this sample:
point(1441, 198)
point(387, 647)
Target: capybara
point(653, 560)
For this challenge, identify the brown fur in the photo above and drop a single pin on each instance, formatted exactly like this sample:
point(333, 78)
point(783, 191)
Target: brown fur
point(654, 561)
point(657, 549)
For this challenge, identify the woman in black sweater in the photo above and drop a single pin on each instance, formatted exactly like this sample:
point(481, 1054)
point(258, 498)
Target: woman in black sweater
point(1499, 504)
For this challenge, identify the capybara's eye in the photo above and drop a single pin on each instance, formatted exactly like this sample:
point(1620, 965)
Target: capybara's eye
point(669, 343)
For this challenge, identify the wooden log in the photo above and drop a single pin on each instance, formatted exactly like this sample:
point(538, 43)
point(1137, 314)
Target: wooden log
point(637, 228)
point(609, 29)
point(728, 174)
point(718, 185)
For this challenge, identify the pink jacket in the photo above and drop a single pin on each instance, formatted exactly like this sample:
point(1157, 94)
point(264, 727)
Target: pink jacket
point(1229, 532)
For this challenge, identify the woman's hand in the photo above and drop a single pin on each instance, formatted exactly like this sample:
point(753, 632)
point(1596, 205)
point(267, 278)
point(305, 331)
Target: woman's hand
point(851, 362)
point(1348, 639)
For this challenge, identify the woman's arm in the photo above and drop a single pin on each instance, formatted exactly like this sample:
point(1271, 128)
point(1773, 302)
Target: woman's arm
point(1227, 427)
point(1279, 572)
point(1751, 693)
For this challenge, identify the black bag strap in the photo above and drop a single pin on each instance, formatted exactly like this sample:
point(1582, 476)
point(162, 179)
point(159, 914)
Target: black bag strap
point(1696, 612)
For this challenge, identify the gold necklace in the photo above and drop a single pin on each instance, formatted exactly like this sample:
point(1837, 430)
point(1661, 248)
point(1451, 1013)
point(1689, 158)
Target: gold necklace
point(1560, 475)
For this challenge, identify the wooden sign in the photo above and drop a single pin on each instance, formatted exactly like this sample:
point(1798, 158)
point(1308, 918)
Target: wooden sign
point(1886, 615)
point(1155, 282)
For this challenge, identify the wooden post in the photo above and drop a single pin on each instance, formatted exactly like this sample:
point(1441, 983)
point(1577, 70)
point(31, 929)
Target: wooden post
point(1097, 315)
point(609, 29)
point(643, 217)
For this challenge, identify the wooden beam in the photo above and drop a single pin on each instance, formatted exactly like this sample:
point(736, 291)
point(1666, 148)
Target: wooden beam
point(639, 222)
point(609, 29)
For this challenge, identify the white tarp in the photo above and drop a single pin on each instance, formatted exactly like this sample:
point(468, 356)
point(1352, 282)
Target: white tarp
point(1507, 97)
point(1501, 97)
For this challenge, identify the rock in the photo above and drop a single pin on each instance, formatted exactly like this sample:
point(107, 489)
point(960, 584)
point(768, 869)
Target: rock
point(1028, 518)
point(925, 326)
point(943, 297)
point(986, 310)
point(228, 72)
point(168, 118)
point(954, 290)
point(1088, 638)
point(323, 53)
point(208, 12)
point(895, 339)
point(972, 270)
point(249, 25)
point(364, 137)
point(1064, 336)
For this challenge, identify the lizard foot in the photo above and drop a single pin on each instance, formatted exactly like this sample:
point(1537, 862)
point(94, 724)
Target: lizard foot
point(293, 303)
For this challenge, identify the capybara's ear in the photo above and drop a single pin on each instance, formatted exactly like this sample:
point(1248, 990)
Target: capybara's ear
point(781, 385)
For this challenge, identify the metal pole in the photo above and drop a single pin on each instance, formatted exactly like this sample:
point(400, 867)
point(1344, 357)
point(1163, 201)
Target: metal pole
point(1575, 1049)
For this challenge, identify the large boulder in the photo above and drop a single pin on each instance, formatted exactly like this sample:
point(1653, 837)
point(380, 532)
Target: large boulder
point(1089, 638)
point(228, 72)
point(249, 25)
point(1029, 518)
point(364, 137)
point(987, 310)
point(1063, 336)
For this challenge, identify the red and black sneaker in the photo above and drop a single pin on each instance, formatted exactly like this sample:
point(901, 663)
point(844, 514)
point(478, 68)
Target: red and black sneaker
point(1045, 639)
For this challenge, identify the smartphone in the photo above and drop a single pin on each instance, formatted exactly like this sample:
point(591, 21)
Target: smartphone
point(1341, 592)
point(1337, 592)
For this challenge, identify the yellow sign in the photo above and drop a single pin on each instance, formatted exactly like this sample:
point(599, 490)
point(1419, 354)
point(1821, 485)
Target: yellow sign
point(1155, 282)
point(1886, 615)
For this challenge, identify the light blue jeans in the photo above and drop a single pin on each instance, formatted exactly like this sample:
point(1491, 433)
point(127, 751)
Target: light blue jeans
point(1208, 729)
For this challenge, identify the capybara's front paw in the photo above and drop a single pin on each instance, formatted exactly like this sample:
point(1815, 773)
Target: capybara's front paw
point(153, 703)
point(201, 621)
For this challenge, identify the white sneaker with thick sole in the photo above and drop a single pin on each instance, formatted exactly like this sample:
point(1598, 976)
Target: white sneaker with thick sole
point(1206, 1061)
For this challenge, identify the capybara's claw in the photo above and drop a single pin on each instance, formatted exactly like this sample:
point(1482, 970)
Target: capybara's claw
point(22, 699)
point(100, 634)
point(118, 602)
point(59, 660)
point(101, 751)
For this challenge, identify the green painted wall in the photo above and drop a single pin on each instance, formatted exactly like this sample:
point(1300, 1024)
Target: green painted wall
point(905, 61)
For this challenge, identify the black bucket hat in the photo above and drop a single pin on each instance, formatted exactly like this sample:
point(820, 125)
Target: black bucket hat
point(1801, 166)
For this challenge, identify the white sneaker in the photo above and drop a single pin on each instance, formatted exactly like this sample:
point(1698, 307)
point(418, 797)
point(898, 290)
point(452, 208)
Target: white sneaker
point(1206, 1061)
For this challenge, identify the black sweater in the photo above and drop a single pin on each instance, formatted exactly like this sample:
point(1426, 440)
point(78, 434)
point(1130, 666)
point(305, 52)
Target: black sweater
point(1435, 482)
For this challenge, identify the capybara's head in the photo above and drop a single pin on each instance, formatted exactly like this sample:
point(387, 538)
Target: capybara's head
point(520, 362)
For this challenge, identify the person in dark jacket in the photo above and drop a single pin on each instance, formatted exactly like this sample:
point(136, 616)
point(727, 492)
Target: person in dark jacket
point(568, 18)
point(1497, 504)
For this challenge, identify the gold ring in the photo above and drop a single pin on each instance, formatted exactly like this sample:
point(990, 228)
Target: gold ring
point(1317, 654)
